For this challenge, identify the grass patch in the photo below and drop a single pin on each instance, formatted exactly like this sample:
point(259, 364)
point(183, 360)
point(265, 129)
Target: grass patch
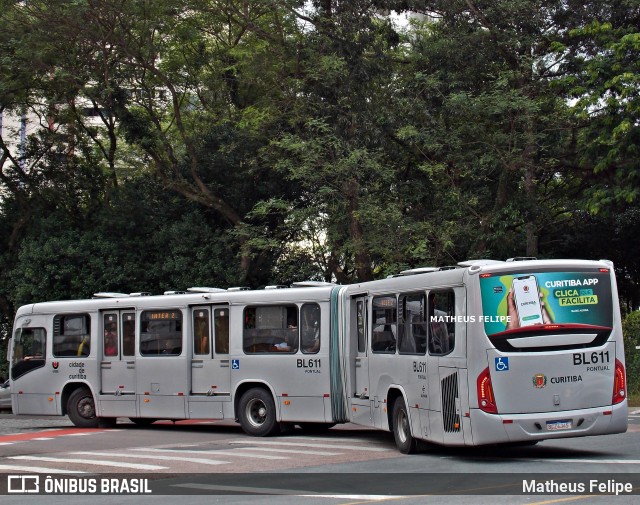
point(634, 400)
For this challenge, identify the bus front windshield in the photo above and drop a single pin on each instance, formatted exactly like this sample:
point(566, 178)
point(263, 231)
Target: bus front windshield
point(28, 350)
point(521, 300)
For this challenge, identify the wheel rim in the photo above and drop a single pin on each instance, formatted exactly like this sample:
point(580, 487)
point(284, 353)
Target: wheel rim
point(402, 426)
point(86, 408)
point(256, 413)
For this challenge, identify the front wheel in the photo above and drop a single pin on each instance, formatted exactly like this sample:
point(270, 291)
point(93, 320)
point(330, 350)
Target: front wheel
point(401, 429)
point(81, 408)
point(257, 413)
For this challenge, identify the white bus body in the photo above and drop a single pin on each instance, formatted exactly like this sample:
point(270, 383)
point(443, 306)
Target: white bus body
point(454, 356)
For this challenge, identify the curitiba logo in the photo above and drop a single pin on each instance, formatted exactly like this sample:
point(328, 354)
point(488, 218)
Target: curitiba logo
point(539, 380)
point(55, 364)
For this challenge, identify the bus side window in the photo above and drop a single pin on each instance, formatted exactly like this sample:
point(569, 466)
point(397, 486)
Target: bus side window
point(412, 325)
point(272, 328)
point(383, 336)
point(310, 328)
point(161, 332)
point(441, 322)
point(71, 335)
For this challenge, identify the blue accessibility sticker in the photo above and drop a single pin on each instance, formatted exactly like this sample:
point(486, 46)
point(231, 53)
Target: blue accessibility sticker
point(502, 364)
point(235, 364)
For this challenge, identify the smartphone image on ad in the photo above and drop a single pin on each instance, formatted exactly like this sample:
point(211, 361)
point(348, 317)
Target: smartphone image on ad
point(527, 300)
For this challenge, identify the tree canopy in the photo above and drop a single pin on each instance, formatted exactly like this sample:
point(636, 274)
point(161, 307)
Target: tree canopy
point(229, 142)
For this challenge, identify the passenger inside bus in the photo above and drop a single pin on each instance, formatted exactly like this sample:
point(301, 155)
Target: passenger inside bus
point(110, 341)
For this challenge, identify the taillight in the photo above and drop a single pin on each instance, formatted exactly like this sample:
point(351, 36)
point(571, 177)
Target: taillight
point(619, 384)
point(486, 400)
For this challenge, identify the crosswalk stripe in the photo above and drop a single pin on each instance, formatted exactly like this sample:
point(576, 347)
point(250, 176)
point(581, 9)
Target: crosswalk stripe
point(35, 469)
point(597, 461)
point(214, 453)
point(149, 456)
point(120, 464)
point(288, 451)
point(316, 446)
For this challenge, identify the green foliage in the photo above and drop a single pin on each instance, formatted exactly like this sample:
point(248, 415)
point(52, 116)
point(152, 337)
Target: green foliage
point(253, 143)
point(631, 332)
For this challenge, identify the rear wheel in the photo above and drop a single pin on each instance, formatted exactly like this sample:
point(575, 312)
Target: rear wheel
point(257, 413)
point(81, 408)
point(402, 429)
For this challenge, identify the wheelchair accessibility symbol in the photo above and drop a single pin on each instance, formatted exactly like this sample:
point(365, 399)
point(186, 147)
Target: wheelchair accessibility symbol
point(502, 364)
point(235, 364)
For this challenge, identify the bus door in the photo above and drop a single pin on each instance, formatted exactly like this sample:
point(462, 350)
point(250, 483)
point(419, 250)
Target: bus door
point(361, 404)
point(118, 364)
point(446, 347)
point(210, 364)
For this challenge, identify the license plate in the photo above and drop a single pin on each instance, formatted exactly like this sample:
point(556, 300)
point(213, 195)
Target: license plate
point(558, 425)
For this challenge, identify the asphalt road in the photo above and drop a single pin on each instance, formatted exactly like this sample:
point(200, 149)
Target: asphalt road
point(215, 462)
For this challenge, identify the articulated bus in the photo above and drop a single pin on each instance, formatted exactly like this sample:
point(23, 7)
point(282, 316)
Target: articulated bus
point(485, 352)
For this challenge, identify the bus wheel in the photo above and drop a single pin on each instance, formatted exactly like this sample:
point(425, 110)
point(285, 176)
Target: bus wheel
point(81, 408)
point(401, 429)
point(257, 413)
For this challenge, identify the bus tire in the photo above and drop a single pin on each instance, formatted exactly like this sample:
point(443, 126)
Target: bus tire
point(81, 408)
point(402, 429)
point(257, 413)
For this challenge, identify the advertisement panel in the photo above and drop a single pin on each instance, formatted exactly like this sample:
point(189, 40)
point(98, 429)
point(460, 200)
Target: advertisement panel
point(522, 300)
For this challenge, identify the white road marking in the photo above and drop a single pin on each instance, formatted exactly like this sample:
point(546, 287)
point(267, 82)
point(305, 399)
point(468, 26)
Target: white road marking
point(149, 456)
point(136, 466)
point(315, 446)
point(214, 453)
point(598, 461)
point(43, 438)
point(288, 451)
point(35, 469)
point(295, 492)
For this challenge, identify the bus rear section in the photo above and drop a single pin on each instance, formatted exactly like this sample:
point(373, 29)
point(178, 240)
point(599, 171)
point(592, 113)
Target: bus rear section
point(546, 352)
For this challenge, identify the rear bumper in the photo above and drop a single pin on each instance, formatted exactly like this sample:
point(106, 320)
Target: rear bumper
point(499, 428)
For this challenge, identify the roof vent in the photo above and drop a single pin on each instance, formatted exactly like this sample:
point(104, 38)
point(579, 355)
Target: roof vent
point(175, 292)
point(110, 295)
point(205, 290)
point(140, 293)
point(276, 286)
point(522, 258)
point(421, 270)
point(312, 284)
point(241, 288)
point(479, 262)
